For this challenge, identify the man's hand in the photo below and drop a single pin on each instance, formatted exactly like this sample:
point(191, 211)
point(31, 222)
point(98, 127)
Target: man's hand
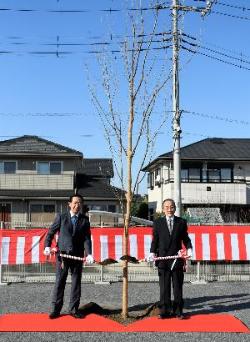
point(189, 253)
point(150, 257)
point(89, 259)
point(46, 251)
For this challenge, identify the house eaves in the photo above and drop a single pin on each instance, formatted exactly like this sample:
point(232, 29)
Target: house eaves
point(210, 149)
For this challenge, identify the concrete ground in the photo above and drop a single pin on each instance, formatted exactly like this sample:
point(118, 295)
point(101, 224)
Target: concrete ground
point(215, 297)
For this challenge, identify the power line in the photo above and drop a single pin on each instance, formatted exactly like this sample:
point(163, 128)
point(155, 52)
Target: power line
point(110, 10)
point(70, 114)
point(217, 117)
point(230, 15)
point(215, 51)
point(48, 114)
point(59, 43)
point(215, 58)
point(239, 53)
point(243, 8)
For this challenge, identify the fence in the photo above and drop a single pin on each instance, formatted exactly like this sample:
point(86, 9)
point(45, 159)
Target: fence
point(197, 272)
point(221, 253)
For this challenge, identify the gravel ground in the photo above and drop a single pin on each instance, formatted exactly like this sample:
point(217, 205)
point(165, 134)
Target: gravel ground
point(231, 297)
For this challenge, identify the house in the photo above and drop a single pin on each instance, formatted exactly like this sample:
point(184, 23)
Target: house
point(37, 177)
point(215, 180)
point(93, 183)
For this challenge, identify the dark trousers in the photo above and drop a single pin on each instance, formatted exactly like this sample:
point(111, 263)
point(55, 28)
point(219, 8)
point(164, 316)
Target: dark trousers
point(62, 269)
point(165, 278)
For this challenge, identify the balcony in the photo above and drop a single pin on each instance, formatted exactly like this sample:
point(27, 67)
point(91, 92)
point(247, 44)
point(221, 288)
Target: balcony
point(213, 193)
point(24, 181)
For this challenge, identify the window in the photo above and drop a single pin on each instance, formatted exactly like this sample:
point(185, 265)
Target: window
point(112, 208)
point(184, 175)
point(8, 167)
point(55, 168)
point(49, 168)
point(191, 175)
point(36, 208)
point(40, 212)
point(226, 175)
point(194, 175)
point(220, 175)
point(49, 208)
point(42, 208)
point(43, 168)
point(101, 207)
point(151, 180)
point(213, 175)
point(157, 174)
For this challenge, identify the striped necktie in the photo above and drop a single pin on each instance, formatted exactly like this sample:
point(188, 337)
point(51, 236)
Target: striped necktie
point(170, 225)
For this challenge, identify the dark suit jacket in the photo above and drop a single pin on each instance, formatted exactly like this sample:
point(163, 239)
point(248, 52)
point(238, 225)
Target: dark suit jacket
point(71, 241)
point(165, 245)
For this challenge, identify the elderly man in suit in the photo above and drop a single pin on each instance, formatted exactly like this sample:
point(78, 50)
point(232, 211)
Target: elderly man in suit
point(74, 239)
point(169, 233)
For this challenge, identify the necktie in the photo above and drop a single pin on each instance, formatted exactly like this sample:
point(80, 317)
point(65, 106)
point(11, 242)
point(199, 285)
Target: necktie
point(73, 221)
point(170, 225)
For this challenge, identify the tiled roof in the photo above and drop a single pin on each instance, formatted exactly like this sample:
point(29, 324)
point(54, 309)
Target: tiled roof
point(220, 149)
point(102, 167)
point(92, 187)
point(31, 144)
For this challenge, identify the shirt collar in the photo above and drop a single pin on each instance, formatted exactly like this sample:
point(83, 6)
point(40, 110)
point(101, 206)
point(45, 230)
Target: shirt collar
point(73, 214)
point(170, 218)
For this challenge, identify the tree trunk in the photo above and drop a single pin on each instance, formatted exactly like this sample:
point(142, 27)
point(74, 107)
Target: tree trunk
point(128, 203)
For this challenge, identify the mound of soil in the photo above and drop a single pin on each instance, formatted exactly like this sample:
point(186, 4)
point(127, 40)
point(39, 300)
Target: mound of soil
point(135, 313)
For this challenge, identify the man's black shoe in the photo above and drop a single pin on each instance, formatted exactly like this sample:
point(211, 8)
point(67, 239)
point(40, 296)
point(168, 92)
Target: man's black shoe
point(164, 316)
point(77, 314)
point(54, 315)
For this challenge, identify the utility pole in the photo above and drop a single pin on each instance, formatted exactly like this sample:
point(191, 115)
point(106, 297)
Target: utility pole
point(176, 7)
point(176, 110)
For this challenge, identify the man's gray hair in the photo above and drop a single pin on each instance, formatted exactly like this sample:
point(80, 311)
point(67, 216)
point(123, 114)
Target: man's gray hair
point(168, 200)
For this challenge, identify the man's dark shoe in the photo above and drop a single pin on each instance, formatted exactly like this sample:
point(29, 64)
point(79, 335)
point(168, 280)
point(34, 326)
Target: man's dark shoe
point(76, 314)
point(54, 315)
point(164, 315)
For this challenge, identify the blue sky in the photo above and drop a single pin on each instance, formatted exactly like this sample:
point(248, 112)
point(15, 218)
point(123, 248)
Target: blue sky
point(31, 85)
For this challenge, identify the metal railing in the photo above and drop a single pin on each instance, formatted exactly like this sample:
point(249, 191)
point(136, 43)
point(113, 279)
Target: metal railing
point(197, 272)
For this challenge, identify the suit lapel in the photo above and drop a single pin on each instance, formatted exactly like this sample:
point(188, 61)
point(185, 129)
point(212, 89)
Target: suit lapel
point(69, 223)
point(165, 232)
point(175, 225)
point(80, 220)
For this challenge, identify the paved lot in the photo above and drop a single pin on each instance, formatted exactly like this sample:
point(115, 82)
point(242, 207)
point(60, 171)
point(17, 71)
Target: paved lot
point(215, 297)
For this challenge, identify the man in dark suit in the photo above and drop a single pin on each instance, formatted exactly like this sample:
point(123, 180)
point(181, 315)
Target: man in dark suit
point(169, 233)
point(74, 239)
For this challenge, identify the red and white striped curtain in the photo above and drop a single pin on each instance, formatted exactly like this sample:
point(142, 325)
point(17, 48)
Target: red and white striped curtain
point(210, 243)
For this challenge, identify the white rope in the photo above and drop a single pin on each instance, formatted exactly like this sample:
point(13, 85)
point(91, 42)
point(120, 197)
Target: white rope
point(67, 256)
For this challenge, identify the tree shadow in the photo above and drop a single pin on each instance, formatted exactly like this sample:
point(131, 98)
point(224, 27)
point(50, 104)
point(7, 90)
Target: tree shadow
point(192, 306)
point(218, 304)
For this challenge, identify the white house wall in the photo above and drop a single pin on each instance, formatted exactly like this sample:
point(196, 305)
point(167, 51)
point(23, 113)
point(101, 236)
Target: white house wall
point(237, 193)
point(225, 193)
